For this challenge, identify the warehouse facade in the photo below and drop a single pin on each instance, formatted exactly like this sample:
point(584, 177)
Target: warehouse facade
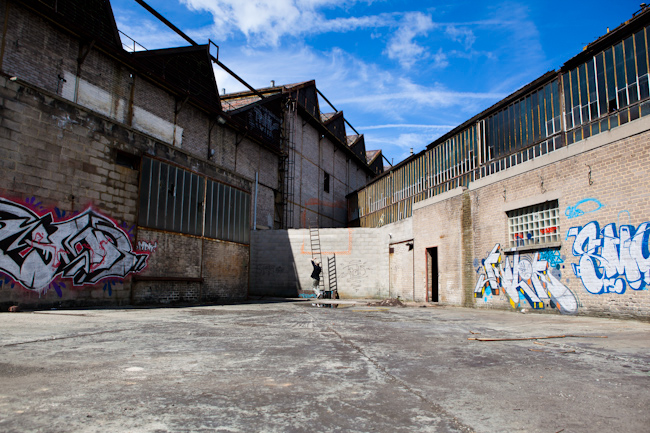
point(123, 180)
point(541, 201)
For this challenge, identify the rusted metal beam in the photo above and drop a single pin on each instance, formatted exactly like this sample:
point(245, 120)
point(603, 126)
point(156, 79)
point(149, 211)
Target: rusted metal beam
point(333, 107)
point(191, 41)
point(165, 21)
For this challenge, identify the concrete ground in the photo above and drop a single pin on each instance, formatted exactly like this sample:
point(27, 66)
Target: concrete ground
point(294, 367)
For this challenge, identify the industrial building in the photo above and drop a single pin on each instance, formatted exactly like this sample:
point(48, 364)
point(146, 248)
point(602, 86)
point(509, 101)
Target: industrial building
point(540, 202)
point(126, 178)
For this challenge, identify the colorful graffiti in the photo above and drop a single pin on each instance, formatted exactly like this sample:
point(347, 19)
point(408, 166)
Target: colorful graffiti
point(528, 277)
point(610, 259)
point(87, 248)
point(584, 206)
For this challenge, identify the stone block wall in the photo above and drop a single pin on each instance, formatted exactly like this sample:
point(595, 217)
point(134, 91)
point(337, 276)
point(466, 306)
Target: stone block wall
point(281, 260)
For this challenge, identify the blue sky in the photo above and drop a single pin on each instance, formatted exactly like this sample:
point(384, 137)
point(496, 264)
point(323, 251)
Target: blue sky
point(403, 72)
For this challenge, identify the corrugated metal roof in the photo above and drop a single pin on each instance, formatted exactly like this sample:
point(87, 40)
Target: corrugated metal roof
point(371, 155)
point(351, 139)
point(235, 104)
point(326, 117)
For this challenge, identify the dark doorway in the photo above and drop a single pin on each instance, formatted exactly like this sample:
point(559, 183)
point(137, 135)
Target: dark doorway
point(432, 274)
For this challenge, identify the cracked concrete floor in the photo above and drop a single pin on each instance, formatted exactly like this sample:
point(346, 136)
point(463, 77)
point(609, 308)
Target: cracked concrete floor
point(292, 367)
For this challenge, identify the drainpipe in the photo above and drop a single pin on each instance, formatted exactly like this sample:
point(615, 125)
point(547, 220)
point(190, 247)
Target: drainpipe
point(255, 209)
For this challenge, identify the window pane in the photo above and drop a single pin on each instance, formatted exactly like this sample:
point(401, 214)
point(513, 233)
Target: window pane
point(145, 193)
point(602, 89)
point(162, 196)
point(223, 190)
point(641, 61)
point(630, 68)
point(575, 97)
point(582, 74)
point(566, 79)
point(611, 81)
point(619, 59)
point(591, 81)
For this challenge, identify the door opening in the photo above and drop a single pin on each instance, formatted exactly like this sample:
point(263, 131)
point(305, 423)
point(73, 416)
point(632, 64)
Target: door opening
point(432, 274)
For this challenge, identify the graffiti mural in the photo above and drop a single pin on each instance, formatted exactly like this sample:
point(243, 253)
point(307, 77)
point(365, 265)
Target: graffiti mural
point(584, 206)
point(530, 277)
point(86, 248)
point(611, 259)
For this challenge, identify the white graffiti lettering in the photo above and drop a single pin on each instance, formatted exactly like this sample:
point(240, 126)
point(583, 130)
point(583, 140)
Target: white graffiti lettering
point(87, 248)
point(526, 277)
point(611, 260)
point(149, 247)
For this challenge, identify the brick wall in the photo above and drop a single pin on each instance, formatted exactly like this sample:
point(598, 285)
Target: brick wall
point(439, 225)
point(599, 266)
point(401, 270)
point(315, 156)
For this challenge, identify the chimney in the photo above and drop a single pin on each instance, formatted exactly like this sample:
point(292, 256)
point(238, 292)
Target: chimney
point(272, 83)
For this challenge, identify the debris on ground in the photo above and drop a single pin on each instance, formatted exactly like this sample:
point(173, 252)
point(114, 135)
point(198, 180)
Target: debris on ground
point(390, 302)
point(14, 309)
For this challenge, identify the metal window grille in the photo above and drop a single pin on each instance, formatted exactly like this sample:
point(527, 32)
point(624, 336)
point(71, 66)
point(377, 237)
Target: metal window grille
point(534, 225)
point(172, 199)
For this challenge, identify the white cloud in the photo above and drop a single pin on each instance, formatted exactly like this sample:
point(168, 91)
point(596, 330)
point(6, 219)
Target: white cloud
point(266, 22)
point(462, 35)
point(402, 46)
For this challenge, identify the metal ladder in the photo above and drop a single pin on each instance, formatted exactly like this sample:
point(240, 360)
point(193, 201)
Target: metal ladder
point(314, 240)
point(288, 169)
point(331, 276)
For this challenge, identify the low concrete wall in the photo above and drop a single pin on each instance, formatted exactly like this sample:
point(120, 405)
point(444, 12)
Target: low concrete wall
point(282, 260)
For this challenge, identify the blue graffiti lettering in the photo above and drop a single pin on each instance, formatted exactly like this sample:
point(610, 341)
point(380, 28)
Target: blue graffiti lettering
point(611, 260)
point(584, 206)
point(552, 257)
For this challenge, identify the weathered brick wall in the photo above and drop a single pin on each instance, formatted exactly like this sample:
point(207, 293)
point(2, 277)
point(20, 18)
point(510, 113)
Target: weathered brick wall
point(222, 266)
point(174, 256)
point(315, 156)
point(600, 264)
point(60, 159)
point(154, 99)
point(401, 270)
point(33, 52)
point(437, 222)
point(225, 271)
point(195, 124)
